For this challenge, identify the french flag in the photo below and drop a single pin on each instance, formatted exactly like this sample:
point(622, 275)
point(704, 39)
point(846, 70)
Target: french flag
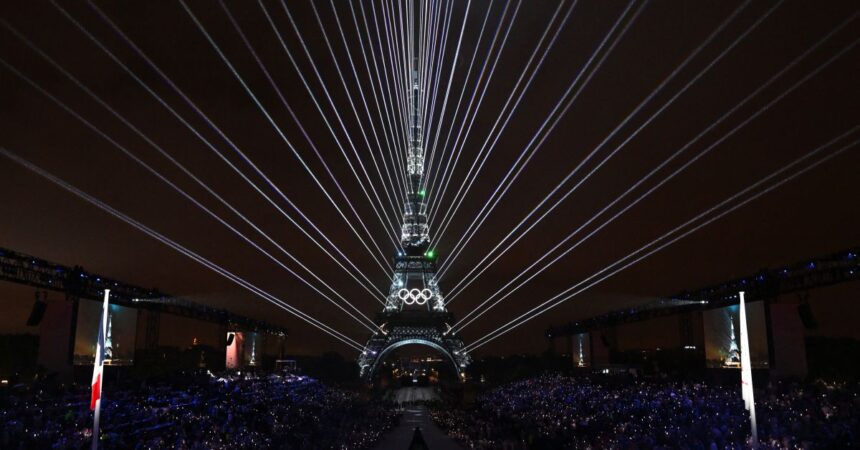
point(98, 367)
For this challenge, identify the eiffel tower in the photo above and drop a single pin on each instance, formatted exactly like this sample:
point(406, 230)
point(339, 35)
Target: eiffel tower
point(414, 311)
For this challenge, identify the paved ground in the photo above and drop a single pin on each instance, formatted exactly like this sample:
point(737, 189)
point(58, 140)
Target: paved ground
point(413, 394)
point(400, 437)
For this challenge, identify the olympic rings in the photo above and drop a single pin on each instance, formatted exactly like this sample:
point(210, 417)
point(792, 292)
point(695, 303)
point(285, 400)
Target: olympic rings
point(414, 296)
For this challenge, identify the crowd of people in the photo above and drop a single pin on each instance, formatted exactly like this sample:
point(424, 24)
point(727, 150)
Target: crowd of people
point(237, 411)
point(559, 412)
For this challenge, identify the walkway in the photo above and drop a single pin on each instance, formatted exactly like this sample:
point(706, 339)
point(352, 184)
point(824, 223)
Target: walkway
point(417, 416)
point(413, 394)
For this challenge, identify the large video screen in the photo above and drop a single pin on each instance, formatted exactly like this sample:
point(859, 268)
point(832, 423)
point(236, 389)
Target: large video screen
point(120, 338)
point(245, 349)
point(582, 350)
point(722, 336)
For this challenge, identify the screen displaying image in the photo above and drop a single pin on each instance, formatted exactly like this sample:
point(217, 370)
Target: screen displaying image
point(253, 353)
point(120, 337)
point(581, 350)
point(722, 336)
point(244, 349)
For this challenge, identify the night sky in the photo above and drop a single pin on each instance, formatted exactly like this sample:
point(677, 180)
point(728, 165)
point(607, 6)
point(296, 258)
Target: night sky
point(815, 214)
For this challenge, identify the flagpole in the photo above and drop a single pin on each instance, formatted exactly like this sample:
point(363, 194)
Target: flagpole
point(96, 415)
point(746, 371)
point(98, 372)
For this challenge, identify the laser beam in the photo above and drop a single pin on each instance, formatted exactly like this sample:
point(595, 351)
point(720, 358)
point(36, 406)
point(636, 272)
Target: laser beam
point(183, 250)
point(576, 289)
point(644, 102)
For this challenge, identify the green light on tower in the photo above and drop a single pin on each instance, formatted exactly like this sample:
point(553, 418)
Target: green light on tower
point(422, 193)
point(430, 254)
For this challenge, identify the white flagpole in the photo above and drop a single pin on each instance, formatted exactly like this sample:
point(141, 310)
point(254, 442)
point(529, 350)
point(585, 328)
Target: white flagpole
point(98, 370)
point(746, 372)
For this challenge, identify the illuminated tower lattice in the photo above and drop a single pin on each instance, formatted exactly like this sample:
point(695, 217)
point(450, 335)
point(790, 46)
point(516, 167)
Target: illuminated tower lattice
point(414, 311)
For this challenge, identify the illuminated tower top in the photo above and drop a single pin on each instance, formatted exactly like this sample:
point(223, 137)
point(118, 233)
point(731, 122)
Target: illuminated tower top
point(414, 235)
point(415, 156)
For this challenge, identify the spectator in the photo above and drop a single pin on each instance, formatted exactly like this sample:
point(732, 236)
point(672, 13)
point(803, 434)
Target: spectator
point(556, 412)
point(231, 412)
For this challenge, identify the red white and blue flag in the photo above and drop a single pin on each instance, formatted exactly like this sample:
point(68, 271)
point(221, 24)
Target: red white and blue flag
point(98, 367)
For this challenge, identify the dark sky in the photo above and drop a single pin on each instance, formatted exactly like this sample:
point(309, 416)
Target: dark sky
point(814, 214)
